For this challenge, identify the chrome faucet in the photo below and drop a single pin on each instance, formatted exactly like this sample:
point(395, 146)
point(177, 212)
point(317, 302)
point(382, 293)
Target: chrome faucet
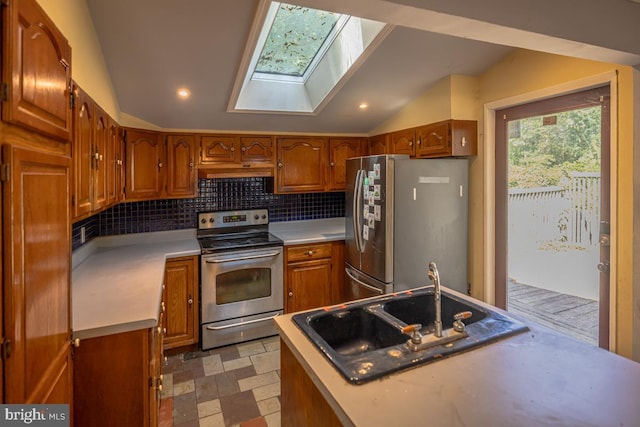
point(435, 276)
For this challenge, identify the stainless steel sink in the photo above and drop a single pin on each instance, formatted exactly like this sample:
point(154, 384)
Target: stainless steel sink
point(365, 340)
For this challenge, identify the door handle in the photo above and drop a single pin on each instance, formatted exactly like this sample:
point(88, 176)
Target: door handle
point(364, 285)
point(603, 266)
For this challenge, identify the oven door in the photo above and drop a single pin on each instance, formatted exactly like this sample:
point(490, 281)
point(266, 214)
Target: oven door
point(241, 283)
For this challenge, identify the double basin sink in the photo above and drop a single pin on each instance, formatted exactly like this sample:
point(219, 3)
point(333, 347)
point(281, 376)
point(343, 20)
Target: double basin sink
point(371, 338)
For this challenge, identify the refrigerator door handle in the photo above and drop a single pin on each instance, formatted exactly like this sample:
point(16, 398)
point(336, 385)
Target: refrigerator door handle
point(364, 285)
point(357, 200)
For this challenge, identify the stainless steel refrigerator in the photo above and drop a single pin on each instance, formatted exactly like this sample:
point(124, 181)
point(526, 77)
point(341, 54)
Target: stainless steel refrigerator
point(401, 214)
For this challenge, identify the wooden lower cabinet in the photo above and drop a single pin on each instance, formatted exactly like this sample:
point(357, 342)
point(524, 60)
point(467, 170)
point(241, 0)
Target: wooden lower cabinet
point(302, 404)
point(314, 275)
point(180, 296)
point(117, 379)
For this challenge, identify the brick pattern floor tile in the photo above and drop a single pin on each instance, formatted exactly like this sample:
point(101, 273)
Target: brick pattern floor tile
point(237, 385)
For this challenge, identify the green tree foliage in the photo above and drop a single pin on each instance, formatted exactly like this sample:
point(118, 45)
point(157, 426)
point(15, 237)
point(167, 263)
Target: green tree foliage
point(543, 155)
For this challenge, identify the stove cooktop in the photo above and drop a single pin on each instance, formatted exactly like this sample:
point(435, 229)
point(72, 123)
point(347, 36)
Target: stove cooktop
point(240, 229)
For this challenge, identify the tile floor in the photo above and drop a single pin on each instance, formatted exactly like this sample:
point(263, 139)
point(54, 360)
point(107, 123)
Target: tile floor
point(236, 385)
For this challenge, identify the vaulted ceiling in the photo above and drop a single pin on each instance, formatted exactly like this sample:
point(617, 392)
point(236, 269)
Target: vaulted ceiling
point(153, 47)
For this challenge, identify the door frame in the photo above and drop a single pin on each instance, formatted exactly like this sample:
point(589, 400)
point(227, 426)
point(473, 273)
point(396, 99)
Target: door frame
point(610, 78)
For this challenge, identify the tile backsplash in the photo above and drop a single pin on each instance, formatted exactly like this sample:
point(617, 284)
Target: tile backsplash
point(213, 195)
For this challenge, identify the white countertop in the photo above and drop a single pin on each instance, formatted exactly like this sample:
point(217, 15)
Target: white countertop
point(117, 280)
point(537, 378)
point(309, 231)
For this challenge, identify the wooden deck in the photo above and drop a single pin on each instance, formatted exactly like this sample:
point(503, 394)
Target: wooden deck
point(568, 314)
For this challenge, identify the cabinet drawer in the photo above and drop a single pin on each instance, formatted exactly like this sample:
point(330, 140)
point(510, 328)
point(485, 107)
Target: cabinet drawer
point(304, 252)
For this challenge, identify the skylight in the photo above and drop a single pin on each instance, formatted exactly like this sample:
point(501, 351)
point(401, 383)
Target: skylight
point(298, 57)
point(295, 39)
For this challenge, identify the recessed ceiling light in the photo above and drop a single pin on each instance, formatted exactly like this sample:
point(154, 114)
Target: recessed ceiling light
point(184, 93)
point(363, 106)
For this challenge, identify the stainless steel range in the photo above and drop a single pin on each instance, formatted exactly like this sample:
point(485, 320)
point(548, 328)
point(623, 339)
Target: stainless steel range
point(241, 277)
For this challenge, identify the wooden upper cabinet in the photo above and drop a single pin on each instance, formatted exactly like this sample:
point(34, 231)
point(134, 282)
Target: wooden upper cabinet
point(36, 66)
point(341, 149)
point(256, 149)
point(100, 158)
point(218, 150)
point(378, 144)
point(93, 151)
point(114, 163)
point(302, 164)
point(236, 156)
point(402, 142)
point(447, 138)
point(82, 153)
point(144, 165)
point(37, 277)
point(181, 166)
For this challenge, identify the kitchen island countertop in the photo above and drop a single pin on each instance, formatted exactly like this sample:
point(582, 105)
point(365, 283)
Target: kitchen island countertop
point(536, 378)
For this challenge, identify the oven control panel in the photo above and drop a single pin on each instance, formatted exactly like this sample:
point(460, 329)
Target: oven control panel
point(229, 219)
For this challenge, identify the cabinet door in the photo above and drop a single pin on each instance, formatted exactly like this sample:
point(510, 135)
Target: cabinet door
point(433, 140)
point(180, 296)
point(36, 303)
point(448, 138)
point(113, 382)
point(256, 149)
point(100, 158)
point(301, 164)
point(82, 150)
point(113, 163)
point(402, 142)
point(37, 66)
point(308, 285)
point(155, 374)
point(219, 149)
point(144, 173)
point(181, 171)
point(341, 149)
point(378, 144)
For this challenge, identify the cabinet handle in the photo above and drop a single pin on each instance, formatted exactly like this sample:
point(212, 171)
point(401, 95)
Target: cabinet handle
point(419, 141)
point(159, 165)
point(76, 342)
point(410, 143)
point(159, 330)
point(464, 141)
point(310, 253)
point(244, 148)
point(280, 165)
point(190, 301)
point(332, 164)
point(290, 293)
point(162, 305)
point(164, 331)
point(233, 149)
point(190, 166)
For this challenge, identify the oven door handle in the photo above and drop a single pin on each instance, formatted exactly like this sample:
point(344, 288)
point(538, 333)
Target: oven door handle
point(220, 261)
point(233, 325)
